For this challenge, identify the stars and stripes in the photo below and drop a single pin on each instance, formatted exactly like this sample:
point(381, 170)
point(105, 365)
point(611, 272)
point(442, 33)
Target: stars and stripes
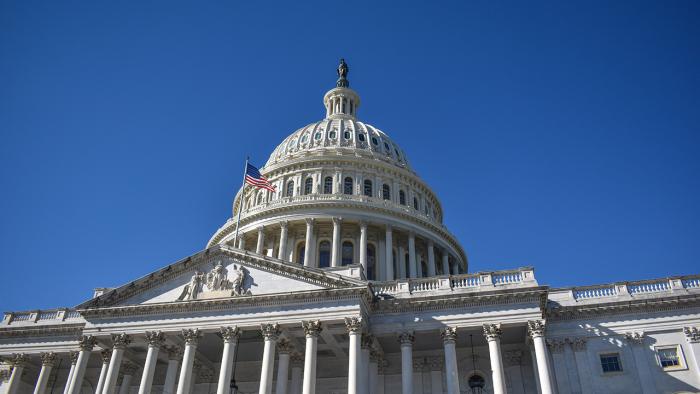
point(254, 178)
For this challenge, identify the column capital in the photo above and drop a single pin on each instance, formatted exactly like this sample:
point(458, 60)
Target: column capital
point(191, 336)
point(106, 355)
point(284, 346)
point(388, 227)
point(449, 334)
point(374, 356)
point(363, 224)
point(270, 331)
point(366, 341)
point(492, 332)
point(536, 328)
point(297, 360)
point(129, 368)
point(692, 334)
point(155, 338)
point(48, 359)
point(121, 341)
point(311, 327)
point(284, 224)
point(309, 221)
point(337, 220)
point(556, 345)
point(261, 228)
point(354, 324)
point(578, 344)
point(406, 338)
point(18, 360)
point(230, 334)
point(73, 356)
point(174, 352)
point(87, 342)
point(636, 337)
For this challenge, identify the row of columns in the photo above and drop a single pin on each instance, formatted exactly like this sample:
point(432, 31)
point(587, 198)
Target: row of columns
point(415, 270)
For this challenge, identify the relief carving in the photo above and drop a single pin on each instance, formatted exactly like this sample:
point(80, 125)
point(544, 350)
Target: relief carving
point(216, 283)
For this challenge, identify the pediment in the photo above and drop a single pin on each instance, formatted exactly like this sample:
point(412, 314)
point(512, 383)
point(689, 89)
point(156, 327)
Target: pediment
point(221, 273)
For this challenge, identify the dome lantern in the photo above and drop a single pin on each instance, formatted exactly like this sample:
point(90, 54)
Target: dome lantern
point(341, 101)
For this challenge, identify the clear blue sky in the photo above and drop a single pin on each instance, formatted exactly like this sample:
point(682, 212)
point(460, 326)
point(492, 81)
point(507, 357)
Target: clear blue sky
point(563, 135)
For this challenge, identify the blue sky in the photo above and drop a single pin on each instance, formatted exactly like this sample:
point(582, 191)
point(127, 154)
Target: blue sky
point(562, 135)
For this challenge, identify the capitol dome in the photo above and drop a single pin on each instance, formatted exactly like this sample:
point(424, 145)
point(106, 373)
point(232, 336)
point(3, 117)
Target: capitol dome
point(347, 189)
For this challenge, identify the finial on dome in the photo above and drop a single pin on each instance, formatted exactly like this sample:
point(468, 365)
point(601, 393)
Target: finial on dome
point(342, 75)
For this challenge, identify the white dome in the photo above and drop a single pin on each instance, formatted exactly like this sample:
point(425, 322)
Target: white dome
point(340, 136)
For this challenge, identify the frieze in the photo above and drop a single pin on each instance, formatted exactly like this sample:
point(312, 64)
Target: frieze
point(216, 283)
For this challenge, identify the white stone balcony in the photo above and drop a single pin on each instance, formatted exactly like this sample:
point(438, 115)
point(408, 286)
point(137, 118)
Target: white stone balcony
point(481, 281)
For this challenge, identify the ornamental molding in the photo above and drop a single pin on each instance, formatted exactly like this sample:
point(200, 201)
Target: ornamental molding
point(449, 300)
point(314, 276)
point(635, 306)
point(73, 330)
point(692, 334)
point(361, 294)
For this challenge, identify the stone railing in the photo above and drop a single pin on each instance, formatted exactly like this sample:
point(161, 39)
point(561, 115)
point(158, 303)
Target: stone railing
point(351, 198)
point(52, 315)
point(522, 277)
point(636, 289)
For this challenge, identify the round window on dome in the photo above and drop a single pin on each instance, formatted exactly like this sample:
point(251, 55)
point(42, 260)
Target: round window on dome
point(386, 146)
point(361, 136)
point(346, 135)
point(332, 134)
point(318, 135)
point(304, 138)
point(375, 141)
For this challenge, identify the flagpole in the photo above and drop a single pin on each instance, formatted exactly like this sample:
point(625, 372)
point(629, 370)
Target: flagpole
point(240, 202)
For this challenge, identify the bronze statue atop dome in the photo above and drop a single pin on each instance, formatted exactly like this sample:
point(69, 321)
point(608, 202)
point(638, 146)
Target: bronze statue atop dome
point(342, 75)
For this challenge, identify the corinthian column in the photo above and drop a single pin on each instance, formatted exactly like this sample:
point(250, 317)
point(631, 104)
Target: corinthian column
point(120, 342)
point(18, 362)
point(412, 269)
point(270, 334)
point(106, 355)
point(261, 240)
point(191, 338)
point(406, 339)
point(284, 348)
point(449, 340)
point(363, 247)
point(309, 259)
point(129, 371)
point(48, 360)
point(284, 230)
point(335, 251)
point(297, 373)
point(174, 356)
point(86, 343)
point(73, 356)
point(311, 329)
point(354, 326)
point(155, 341)
point(363, 375)
point(431, 259)
point(492, 332)
point(536, 330)
point(230, 336)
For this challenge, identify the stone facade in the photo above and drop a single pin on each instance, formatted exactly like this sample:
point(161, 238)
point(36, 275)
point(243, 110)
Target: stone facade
point(345, 280)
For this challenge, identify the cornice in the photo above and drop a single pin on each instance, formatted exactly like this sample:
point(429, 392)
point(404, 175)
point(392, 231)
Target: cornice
point(570, 312)
point(536, 295)
point(42, 330)
point(294, 271)
point(218, 304)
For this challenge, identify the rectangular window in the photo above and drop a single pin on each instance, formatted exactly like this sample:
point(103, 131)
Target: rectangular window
point(670, 357)
point(610, 362)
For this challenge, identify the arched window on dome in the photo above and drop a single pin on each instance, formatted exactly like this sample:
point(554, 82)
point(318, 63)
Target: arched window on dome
point(415, 203)
point(328, 185)
point(368, 188)
point(347, 253)
point(386, 192)
point(290, 189)
point(260, 198)
point(402, 197)
point(371, 263)
point(324, 254)
point(408, 265)
point(308, 185)
point(347, 185)
point(424, 267)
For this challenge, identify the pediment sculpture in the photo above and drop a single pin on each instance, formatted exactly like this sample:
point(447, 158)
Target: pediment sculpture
point(216, 283)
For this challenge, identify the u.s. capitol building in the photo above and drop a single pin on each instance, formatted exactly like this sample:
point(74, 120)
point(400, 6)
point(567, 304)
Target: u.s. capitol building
point(346, 280)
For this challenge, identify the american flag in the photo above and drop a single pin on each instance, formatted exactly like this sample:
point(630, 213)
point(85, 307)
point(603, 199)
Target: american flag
point(253, 177)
